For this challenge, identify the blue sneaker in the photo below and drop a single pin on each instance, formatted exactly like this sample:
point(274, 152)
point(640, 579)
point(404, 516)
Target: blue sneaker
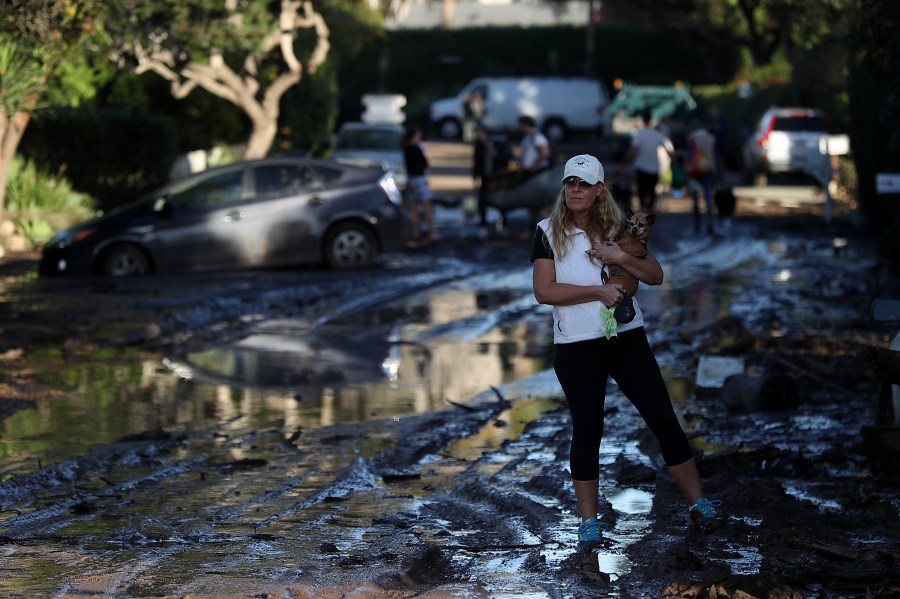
point(704, 512)
point(591, 530)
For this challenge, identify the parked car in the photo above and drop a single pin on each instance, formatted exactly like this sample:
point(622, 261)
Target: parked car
point(559, 105)
point(258, 213)
point(785, 141)
point(367, 144)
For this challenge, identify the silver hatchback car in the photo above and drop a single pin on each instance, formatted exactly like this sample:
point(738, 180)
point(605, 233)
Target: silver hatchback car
point(785, 141)
point(259, 213)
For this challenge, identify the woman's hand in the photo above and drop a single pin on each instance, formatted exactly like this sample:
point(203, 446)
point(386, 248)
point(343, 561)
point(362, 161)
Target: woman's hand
point(646, 270)
point(610, 252)
point(548, 291)
point(612, 294)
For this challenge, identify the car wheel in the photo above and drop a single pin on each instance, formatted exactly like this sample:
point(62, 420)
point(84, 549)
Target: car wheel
point(450, 129)
point(350, 245)
point(124, 260)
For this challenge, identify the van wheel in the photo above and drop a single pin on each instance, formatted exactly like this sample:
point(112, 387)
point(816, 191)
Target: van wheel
point(555, 130)
point(124, 260)
point(450, 129)
point(350, 245)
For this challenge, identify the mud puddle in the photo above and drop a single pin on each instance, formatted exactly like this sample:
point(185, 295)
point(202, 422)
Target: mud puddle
point(421, 444)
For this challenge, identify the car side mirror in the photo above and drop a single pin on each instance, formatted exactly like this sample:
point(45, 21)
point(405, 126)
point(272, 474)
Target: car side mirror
point(163, 206)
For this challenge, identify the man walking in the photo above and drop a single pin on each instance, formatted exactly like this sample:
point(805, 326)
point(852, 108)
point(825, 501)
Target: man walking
point(644, 153)
point(701, 172)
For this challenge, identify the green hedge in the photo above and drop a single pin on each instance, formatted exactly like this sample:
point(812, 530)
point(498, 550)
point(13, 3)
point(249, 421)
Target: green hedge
point(115, 156)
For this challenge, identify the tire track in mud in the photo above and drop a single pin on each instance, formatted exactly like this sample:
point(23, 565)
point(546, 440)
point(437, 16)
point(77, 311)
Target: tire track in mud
point(71, 483)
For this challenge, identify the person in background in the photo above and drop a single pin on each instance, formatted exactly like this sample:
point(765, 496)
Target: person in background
point(417, 189)
point(718, 127)
point(679, 174)
point(701, 172)
point(534, 149)
point(534, 156)
point(644, 154)
point(571, 255)
point(473, 111)
point(485, 162)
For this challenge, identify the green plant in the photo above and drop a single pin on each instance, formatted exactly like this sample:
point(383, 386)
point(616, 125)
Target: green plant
point(40, 203)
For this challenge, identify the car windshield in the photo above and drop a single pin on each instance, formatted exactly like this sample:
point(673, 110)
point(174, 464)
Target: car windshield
point(801, 123)
point(369, 139)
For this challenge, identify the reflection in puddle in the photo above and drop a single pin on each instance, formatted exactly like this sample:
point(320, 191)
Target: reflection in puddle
point(631, 526)
point(747, 564)
point(508, 425)
point(631, 501)
point(804, 494)
point(614, 564)
point(413, 356)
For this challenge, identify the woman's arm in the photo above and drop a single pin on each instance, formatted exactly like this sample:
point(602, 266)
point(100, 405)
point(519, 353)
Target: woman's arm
point(548, 291)
point(647, 269)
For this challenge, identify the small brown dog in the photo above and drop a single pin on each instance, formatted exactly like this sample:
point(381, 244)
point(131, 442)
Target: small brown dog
point(632, 239)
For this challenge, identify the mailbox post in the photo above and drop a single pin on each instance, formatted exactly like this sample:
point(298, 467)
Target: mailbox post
point(384, 108)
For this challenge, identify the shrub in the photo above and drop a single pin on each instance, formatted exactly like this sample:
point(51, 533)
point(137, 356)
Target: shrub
point(40, 204)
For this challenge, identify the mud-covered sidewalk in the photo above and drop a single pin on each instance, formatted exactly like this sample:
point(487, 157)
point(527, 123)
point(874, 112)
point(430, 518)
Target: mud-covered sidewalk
point(474, 500)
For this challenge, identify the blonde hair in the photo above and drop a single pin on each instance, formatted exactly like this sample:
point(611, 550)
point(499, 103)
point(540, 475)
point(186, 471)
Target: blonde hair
point(606, 221)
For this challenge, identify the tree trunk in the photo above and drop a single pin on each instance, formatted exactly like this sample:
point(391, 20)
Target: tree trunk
point(261, 137)
point(11, 131)
point(448, 9)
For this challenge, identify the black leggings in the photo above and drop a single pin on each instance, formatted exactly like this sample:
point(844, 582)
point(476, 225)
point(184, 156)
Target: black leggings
point(583, 369)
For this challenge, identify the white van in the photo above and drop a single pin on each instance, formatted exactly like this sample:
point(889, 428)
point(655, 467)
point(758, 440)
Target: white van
point(558, 105)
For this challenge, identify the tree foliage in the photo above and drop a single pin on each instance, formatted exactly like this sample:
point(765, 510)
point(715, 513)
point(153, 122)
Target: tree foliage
point(50, 58)
point(764, 27)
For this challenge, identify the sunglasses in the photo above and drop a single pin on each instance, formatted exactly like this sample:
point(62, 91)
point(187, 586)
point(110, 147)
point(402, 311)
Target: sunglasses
point(573, 182)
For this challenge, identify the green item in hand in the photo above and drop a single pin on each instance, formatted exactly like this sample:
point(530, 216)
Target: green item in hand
point(608, 324)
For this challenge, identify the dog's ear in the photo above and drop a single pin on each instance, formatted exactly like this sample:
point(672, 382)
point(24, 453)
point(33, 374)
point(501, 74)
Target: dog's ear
point(628, 212)
point(651, 218)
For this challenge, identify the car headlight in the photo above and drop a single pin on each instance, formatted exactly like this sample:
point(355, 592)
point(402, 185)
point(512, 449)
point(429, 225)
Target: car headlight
point(67, 237)
point(389, 185)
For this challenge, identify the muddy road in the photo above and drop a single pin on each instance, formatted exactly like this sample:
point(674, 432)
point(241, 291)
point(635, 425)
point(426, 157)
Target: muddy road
point(399, 432)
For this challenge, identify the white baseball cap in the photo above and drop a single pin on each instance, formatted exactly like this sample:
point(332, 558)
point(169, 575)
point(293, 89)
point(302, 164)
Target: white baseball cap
point(586, 167)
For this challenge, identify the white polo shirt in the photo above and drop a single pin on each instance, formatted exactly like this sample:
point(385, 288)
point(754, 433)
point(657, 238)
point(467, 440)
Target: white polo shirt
point(579, 322)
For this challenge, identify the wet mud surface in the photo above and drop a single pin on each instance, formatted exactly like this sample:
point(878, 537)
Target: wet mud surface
point(147, 451)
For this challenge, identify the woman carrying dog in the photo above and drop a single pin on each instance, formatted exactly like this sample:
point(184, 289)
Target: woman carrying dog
point(572, 252)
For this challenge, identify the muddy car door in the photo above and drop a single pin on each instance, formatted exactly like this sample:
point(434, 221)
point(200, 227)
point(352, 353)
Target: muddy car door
point(201, 223)
point(291, 210)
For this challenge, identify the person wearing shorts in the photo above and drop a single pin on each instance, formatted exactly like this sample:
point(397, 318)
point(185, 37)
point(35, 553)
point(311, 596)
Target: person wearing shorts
point(418, 192)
